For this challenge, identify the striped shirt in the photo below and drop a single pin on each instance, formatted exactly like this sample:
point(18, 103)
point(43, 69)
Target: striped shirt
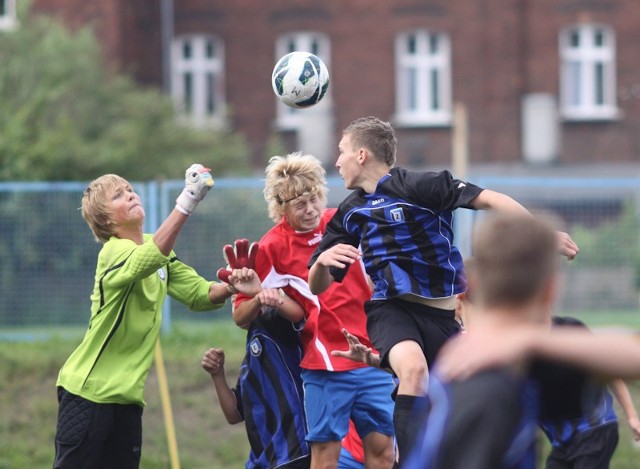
point(405, 232)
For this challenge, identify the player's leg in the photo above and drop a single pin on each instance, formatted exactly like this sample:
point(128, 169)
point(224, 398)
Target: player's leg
point(595, 447)
point(123, 447)
point(373, 415)
point(410, 366)
point(328, 401)
point(396, 335)
point(325, 454)
point(81, 431)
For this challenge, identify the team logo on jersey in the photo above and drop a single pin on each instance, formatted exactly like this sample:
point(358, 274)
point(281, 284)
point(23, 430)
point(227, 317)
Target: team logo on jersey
point(256, 347)
point(377, 201)
point(397, 214)
point(317, 237)
point(161, 273)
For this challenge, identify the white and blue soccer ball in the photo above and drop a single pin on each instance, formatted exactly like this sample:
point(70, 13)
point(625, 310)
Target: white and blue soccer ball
point(300, 79)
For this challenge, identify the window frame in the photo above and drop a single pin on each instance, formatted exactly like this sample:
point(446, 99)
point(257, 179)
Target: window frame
point(428, 107)
point(593, 67)
point(9, 19)
point(207, 106)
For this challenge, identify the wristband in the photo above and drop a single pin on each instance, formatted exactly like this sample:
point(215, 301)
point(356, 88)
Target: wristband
point(231, 289)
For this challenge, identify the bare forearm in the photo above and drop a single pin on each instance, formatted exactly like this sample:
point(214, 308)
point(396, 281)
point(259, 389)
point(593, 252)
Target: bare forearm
point(612, 355)
point(167, 234)
point(319, 278)
point(227, 398)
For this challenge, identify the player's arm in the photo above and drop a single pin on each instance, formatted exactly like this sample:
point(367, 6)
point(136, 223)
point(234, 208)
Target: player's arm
point(198, 182)
point(357, 351)
point(622, 394)
point(213, 363)
point(339, 256)
point(492, 200)
point(246, 311)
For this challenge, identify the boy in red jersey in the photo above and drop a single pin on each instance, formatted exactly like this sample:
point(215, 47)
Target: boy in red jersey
point(336, 388)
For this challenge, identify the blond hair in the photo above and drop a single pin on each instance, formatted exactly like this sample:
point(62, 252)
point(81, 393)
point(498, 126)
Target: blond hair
point(288, 177)
point(95, 205)
point(377, 136)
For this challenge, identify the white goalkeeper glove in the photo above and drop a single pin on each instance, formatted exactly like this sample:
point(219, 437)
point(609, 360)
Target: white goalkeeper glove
point(197, 182)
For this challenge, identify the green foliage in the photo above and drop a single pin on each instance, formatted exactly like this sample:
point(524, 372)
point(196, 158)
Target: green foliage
point(65, 116)
point(614, 243)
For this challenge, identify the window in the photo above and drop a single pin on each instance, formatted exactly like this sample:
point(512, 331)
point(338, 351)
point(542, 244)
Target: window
point(423, 79)
point(317, 44)
point(198, 80)
point(588, 75)
point(7, 14)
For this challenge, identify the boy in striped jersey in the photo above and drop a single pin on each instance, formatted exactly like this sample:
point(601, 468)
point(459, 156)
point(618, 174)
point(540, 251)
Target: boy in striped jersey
point(399, 223)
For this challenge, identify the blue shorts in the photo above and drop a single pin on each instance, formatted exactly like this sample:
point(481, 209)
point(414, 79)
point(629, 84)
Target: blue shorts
point(332, 398)
point(347, 461)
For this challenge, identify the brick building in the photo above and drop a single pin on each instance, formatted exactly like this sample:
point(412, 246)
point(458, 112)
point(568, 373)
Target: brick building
point(543, 83)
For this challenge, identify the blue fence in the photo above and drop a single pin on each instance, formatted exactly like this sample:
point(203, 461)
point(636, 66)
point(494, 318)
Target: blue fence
point(49, 253)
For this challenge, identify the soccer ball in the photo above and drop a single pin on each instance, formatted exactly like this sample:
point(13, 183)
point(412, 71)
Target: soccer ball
point(300, 79)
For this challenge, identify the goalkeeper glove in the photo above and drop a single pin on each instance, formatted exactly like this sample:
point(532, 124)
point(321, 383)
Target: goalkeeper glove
point(197, 182)
point(240, 255)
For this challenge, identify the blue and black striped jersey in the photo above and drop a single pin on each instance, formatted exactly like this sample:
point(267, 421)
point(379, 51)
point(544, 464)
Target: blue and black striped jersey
point(405, 232)
point(270, 395)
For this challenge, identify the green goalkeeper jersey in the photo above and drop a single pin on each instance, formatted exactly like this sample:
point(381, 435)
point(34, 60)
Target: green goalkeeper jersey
point(112, 362)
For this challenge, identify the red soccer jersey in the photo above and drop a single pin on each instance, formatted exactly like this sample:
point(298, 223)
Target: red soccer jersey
point(282, 263)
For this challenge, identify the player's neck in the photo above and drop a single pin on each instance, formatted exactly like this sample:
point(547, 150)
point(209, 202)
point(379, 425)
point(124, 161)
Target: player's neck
point(372, 175)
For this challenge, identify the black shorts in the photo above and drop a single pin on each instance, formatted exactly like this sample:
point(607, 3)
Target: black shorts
point(593, 448)
point(392, 321)
point(91, 435)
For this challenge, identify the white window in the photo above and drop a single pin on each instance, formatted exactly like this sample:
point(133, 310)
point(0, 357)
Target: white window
point(588, 74)
point(197, 83)
point(7, 14)
point(423, 79)
point(317, 44)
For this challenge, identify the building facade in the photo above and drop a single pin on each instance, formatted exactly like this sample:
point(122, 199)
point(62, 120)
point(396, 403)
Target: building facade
point(545, 83)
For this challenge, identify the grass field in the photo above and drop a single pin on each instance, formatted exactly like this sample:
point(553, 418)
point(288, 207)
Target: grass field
point(28, 400)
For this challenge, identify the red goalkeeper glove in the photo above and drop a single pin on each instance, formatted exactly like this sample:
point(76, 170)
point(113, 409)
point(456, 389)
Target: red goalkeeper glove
point(240, 255)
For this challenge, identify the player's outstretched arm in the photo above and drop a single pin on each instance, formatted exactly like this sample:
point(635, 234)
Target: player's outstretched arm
point(213, 363)
point(198, 182)
point(611, 355)
point(492, 200)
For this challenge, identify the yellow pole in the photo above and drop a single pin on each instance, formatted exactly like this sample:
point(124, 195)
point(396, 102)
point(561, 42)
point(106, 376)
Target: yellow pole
point(166, 408)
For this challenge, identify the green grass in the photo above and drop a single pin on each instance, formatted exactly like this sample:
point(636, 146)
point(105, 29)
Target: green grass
point(204, 438)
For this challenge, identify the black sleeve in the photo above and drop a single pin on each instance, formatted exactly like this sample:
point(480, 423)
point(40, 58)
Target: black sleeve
point(439, 190)
point(485, 417)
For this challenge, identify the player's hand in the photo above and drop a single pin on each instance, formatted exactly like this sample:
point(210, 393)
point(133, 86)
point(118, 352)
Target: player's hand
point(213, 361)
point(566, 245)
point(634, 424)
point(357, 352)
point(340, 256)
point(197, 182)
point(240, 255)
point(271, 297)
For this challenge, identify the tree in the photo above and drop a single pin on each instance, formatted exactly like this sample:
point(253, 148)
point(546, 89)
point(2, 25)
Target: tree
point(65, 116)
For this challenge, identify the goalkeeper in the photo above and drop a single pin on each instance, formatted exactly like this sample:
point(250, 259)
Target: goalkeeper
point(101, 385)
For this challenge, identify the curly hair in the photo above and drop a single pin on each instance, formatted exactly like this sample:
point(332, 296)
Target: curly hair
point(291, 176)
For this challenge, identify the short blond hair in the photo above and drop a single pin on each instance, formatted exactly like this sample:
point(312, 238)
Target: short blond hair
point(288, 177)
point(95, 205)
